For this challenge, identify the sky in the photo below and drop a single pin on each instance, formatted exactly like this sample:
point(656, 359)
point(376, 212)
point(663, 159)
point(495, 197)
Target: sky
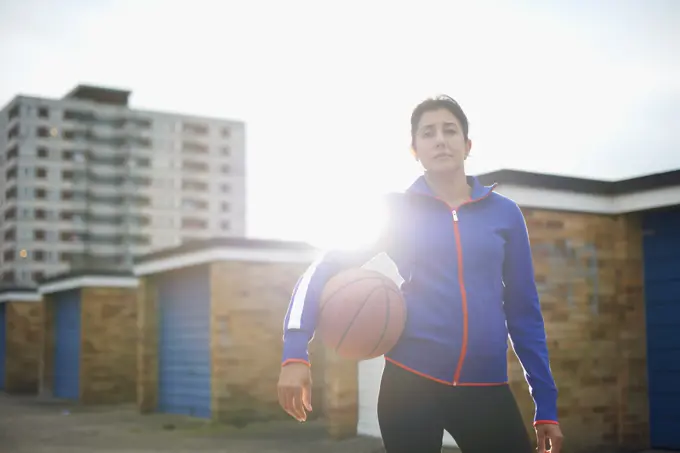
point(589, 89)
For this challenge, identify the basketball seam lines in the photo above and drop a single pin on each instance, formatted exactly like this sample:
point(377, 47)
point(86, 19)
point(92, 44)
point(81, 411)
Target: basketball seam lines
point(328, 299)
point(356, 315)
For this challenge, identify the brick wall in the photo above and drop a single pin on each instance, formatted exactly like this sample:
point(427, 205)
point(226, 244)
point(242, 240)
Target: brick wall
point(108, 362)
point(589, 274)
point(46, 363)
point(341, 388)
point(249, 301)
point(24, 344)
point(147, 346)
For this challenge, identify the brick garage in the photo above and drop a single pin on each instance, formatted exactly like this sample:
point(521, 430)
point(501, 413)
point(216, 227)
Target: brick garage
point(589, 273)
point(20, 340)
point(210, 317)
point(88, 351)
point(607, 263)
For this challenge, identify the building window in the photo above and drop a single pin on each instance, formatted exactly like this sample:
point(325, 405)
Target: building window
point(194, 166)
point(14, 112)
point(13, 133)
point(193, 223)
point(194, 148)
point(10, 234)
point(13, 152)
point(194, 129)
point(194, 205)
point(194, 185)
point(43, 112)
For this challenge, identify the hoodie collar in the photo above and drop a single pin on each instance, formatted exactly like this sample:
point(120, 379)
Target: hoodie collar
point(421, 187)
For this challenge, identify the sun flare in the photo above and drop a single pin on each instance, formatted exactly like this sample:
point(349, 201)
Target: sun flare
point(354, 224)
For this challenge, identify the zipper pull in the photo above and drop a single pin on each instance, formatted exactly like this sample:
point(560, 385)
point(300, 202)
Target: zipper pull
point(455, 216)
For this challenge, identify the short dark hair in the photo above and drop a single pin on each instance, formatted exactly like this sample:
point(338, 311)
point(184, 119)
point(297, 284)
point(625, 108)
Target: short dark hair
point(435, 103)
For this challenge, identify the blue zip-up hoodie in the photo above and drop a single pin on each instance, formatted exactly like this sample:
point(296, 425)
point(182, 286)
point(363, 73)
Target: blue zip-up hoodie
point(468, 283)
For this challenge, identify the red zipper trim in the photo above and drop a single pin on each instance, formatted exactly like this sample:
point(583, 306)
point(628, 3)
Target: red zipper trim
point(461, 282)
point(463, 299)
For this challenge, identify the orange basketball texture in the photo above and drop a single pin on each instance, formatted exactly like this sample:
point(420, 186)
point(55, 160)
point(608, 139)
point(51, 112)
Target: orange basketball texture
point(361, 315)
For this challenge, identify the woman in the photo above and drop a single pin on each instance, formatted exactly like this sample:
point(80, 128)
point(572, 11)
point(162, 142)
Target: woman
point(464, 253)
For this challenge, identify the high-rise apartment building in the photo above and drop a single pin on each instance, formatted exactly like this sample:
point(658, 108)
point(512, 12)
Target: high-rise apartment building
point(87, 182)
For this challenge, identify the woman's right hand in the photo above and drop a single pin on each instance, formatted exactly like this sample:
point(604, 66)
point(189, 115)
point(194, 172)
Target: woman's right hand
point(295, 390)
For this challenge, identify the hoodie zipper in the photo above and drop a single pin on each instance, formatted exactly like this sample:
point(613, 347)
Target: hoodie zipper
point(461, 283)
point(463, 298)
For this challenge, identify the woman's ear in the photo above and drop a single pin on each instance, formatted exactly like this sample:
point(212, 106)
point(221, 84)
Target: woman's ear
point(468, 148)
point(414, 154)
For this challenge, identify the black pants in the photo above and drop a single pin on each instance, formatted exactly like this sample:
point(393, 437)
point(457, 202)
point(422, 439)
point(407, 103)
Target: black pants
point(414, 411)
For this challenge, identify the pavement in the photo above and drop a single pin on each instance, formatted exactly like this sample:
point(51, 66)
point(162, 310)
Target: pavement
point(37, 425)
point(29, 424)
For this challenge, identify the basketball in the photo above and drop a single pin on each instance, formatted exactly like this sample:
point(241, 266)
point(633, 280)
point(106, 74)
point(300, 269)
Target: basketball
point(361, 315)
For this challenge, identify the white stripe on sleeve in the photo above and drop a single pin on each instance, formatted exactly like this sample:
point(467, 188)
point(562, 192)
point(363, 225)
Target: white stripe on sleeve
point(298, 304)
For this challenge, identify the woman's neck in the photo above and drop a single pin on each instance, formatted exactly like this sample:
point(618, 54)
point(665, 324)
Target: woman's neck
point(450, 187)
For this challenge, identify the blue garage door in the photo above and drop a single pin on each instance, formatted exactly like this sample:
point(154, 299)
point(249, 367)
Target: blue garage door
point(3, 343)
point(662, 297)
point(67, 344)
point(184, 343)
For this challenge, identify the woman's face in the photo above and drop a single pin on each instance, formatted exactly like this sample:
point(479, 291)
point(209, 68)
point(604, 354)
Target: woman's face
point(439, 143)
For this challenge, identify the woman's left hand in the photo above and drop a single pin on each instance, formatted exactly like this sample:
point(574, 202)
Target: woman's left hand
point(551, 433)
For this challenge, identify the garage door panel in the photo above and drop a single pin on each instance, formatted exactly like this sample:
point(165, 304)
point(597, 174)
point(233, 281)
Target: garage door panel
point(662, 298)
point(184, 383)
point(664, 338)
point(663, 316)
point(67, 320)
point(663, 218)
point(661, 381)
point(662, 291)
point(664, 432)
point(663, 269)
point(655, 249)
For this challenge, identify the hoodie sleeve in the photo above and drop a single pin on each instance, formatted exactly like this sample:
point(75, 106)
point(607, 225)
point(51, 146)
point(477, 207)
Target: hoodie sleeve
point(300, 321)
point(525, 320)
